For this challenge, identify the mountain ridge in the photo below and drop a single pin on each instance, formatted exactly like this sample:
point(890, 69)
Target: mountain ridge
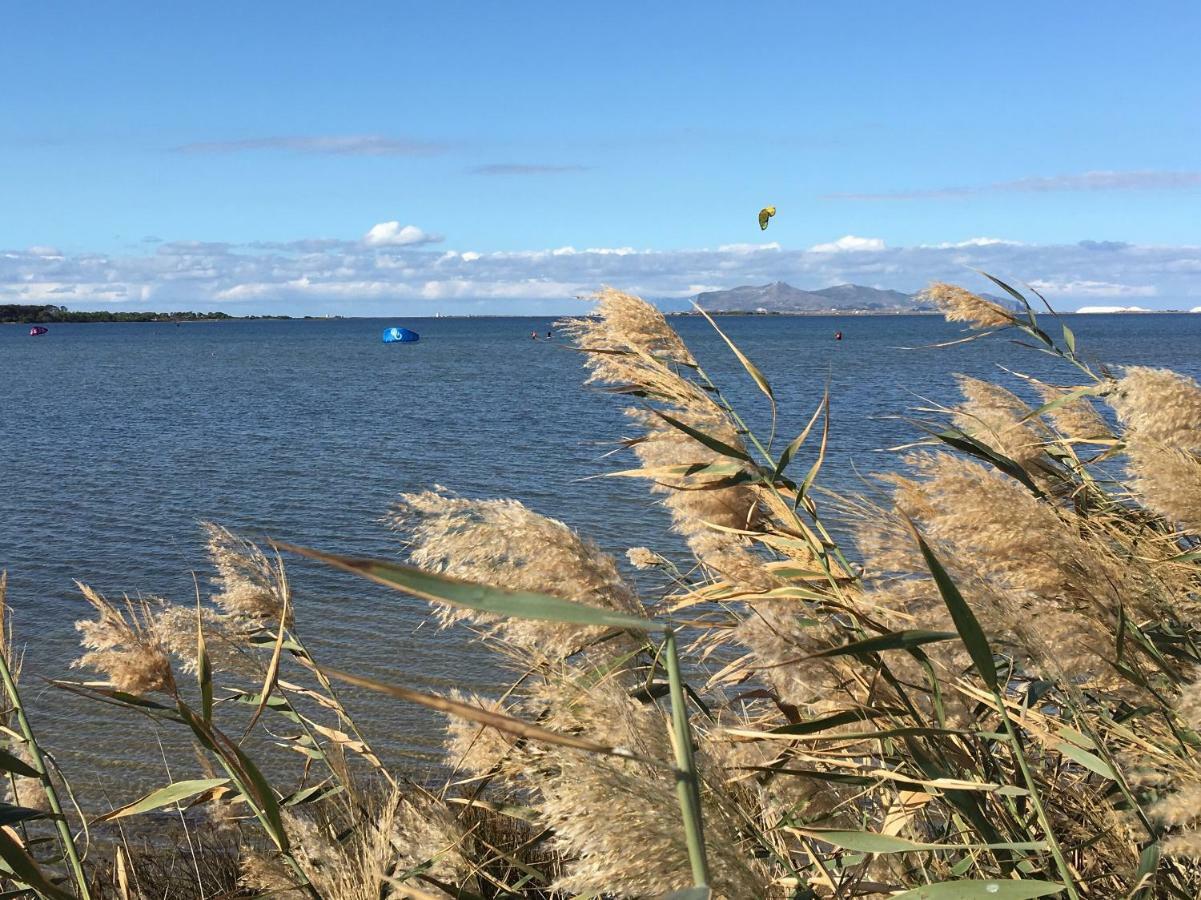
point(781, 297)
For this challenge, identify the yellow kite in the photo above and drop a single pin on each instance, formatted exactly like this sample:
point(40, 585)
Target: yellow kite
point(764, 214)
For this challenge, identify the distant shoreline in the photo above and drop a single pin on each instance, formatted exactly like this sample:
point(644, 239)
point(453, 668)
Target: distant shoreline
point(860, 313)
point(48, 314)
point(101, 317)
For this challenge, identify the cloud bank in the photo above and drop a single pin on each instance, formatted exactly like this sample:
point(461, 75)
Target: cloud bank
point(396, 269)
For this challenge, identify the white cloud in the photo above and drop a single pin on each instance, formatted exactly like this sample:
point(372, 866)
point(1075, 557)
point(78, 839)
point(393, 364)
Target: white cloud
point(393, 234)
point(356, 277)
point(1085, 288)
point(748, 248)
point(973, 242)
point(849, 243)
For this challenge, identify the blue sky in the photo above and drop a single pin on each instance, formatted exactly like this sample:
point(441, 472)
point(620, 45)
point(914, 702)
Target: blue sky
point(238, 156)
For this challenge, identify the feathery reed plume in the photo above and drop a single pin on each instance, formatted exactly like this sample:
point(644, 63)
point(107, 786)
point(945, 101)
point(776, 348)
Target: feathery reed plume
point(22, 790)
point(252, 587)
point(782, 644)
point(263, 874)
point(706, 516)
point(403, 841)
point(998, 418)
point(642, 558)
point(1180, 809)
point(631, 337)
point(595, 807)
point(1161, 411)
point(505, 544)
point(1024, 563)
point(632, 346)
point(224, 639)
point(125, 647)
point(961, 305)
point(428, 841)
point(1159, 406)
point(477, 749)
point(1076, 419)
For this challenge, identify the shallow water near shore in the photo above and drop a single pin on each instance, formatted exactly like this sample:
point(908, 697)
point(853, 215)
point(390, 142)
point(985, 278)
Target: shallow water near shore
point(118, 439)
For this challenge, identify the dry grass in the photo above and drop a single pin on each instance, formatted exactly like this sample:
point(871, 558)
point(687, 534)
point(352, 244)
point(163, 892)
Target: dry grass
point(993, 693)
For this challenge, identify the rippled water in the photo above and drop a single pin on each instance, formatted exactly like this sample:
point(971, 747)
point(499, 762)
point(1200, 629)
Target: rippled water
point(118, 438)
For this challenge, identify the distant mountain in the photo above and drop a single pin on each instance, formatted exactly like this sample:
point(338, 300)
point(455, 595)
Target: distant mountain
point(779, 297)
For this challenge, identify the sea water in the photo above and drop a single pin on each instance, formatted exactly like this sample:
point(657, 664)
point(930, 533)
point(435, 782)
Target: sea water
point(118, 439)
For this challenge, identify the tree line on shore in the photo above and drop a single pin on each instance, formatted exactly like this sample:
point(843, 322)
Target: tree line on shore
point(48, 313)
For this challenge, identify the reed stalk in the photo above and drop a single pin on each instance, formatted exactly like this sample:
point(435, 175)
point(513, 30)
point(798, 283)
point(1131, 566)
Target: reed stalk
point(37, 760)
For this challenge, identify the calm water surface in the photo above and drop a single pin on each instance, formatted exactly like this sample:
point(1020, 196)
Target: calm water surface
point(118, 438)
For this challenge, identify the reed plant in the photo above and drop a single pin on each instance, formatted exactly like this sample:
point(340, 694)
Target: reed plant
point(991, 691)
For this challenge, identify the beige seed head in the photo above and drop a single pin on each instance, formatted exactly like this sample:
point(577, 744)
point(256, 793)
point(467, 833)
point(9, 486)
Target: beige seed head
point(642, 558)
point(251, 585)
point(960, 305)
point(1161, 411)
point(124, 646)
point(504, 544)
point(1075, 419)
point(1159, 406)
point(997, 417)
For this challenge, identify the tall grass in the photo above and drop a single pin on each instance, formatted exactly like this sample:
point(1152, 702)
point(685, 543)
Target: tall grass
point(991, 692)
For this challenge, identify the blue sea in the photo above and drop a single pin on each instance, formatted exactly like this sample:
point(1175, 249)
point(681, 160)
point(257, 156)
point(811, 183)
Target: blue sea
point(117, 439)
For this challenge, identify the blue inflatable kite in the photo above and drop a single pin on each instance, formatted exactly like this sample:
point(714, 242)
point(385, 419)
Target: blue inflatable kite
point(400, 336)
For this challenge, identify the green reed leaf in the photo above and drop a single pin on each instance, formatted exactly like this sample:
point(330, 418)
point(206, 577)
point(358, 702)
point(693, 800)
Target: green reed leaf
point(757, 376)
point(1090, 761)
point(11, 815)
point(164, 796)
point(272, 674)
point(708, 440)
point(995, 889)
point(469, 595)
point(314, 794)
point(970, 445)
point(687, 779)
point(10, 762)
point(204, 667)
point(896, 640)
point(249, 781)
point(873, 842)
point(835, 720)
point(499, 721)
point(797, 442)
point(1074, 394)
point(965, 620)
point(25, 870)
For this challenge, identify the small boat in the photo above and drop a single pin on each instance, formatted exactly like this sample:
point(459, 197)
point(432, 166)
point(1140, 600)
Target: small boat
point(400, 336)
point(38, 330)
